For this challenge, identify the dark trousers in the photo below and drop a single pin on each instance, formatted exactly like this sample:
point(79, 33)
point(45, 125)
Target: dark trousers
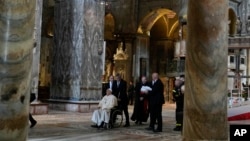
point(179, 118)
point(32, 120)
point(131, 99)
point(124, 108)
point(179, 113)
point(156, 115)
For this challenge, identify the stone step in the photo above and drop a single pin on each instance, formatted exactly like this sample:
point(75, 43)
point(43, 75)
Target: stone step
point(37, 108)
point(73, 106)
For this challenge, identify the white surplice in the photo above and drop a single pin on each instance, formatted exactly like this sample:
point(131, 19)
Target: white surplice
point(103, 113)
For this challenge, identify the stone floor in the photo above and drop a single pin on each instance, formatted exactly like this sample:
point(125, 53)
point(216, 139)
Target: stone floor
point(73, 126)
point(69, 126)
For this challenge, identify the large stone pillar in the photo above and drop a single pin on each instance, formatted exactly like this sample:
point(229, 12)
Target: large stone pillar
point(141, 57)
point(77, 52)
point(205, 110)
point(16, 43)
point(36, 49)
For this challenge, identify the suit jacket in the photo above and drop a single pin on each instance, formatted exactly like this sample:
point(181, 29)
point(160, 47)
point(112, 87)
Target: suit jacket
point(121, 92)
point(156, 96)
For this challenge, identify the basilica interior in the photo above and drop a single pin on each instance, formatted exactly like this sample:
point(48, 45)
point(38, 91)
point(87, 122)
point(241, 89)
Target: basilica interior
point(67, 49)
point(131, 44)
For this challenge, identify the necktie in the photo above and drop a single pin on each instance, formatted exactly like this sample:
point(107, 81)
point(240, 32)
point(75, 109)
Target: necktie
point(118, 83)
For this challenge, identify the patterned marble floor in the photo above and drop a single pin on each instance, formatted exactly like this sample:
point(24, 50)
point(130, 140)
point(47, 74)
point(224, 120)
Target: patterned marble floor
point(72, 126)
point(68, 126)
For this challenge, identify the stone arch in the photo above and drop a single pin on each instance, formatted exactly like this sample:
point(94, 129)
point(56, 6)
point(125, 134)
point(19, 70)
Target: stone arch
point(151, 18)
point(161, 26)
point(232, 19)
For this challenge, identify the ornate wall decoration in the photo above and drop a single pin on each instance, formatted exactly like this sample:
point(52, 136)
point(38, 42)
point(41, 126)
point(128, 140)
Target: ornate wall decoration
point(77, 54)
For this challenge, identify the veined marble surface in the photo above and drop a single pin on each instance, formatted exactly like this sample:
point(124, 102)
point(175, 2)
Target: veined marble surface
point(16, 43)
point(77, 54)
point(206, 71)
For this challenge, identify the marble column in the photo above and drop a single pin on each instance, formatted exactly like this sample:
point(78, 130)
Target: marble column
point(141, 53)
point(36, 49)
point(205, 106)
point(244, 16)
point(77, 52)
point(16, 44)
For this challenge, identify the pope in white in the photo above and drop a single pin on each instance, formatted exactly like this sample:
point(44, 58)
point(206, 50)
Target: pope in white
point(102, 114)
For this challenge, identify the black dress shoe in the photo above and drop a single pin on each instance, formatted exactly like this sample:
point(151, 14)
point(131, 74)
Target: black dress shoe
point(178, 128)
point(126, 125)
point(101, 126)
point(105, 126)
point(157, 130)
point(33, 124)
point(149, 128)
point(94, 126)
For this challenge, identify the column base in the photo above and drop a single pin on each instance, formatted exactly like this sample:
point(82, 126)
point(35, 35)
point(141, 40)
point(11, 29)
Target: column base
point(37, 108)
point(73, 106)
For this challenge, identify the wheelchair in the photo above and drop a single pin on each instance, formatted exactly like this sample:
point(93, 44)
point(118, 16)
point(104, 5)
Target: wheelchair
point(116, 118)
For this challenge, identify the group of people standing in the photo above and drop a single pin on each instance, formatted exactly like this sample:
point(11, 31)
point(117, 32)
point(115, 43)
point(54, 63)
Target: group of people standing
point(149, 99)
point(148, 102)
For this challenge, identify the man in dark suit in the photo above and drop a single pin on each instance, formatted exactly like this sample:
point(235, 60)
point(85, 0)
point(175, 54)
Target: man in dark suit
point(120, 91)
point(156, 100)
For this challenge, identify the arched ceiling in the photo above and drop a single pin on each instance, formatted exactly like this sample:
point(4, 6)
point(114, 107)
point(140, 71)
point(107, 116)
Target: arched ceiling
point(164, 27)
point(161, 23)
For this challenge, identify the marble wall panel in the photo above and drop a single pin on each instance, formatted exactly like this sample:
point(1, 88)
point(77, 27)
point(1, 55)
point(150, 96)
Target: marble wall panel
point(93, 37)
point(77, 53)
point(84, 108)
point(67, 50)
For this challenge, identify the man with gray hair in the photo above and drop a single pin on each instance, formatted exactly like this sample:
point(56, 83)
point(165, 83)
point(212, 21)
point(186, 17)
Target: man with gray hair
point(156, 100)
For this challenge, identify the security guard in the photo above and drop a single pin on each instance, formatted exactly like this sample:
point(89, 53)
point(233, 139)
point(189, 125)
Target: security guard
point(178, 97)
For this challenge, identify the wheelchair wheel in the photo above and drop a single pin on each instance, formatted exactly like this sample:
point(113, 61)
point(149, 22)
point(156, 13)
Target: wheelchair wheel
point(117, 118)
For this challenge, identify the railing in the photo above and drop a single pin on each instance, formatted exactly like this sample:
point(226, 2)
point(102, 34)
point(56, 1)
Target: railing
point(237, 97)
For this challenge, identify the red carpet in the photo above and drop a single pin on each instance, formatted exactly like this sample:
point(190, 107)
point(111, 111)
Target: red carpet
point(239, 113)
point(245, 116)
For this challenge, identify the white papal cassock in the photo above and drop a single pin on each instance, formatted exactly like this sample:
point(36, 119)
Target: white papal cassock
point(103, 113)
